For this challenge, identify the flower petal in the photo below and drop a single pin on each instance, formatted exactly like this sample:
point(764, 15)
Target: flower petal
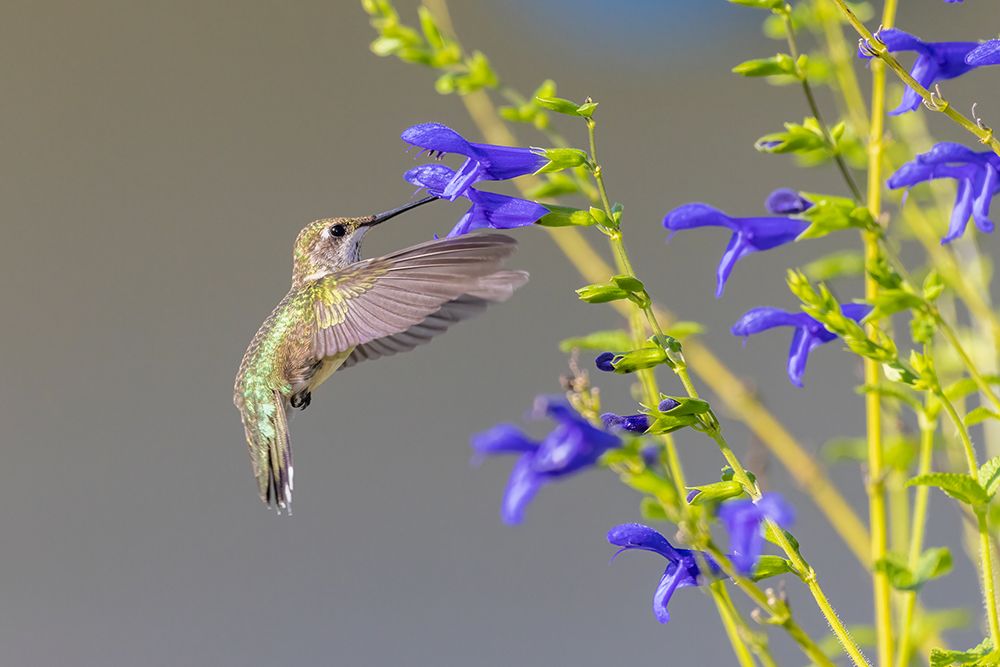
point(738, 248)
point(743, 523)
point(785, 201)
point(990, 184)
point(962, 211)
point(987, 53)
point(521, 489)
point(925, 72)
point(777, 509)
point(503, 439)
point(803, 341)
point(674, 577)
point(690, 216)
point(437, 137)
point(638, 536)
point(460, 185)
point(503, 162)
point(433, 177)
point(761, 319)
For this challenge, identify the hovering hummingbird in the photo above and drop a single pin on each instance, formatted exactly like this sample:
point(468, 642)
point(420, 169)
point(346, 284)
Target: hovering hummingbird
point(342, 310)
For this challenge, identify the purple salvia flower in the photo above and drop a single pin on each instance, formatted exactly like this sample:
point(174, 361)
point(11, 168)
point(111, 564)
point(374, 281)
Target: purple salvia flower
point(750, 235)
point(936, 61)
point(573, 445)
point(744, 521)
point(485, 162)
point(977, 176)
point(785, 201)
point(603, 362)
point(667, 404)
point(489, 210)
point(809, 333)
point(684, 567)
point(987, 53)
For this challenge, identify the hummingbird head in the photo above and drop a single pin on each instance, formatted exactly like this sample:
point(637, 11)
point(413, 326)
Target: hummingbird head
point(330, 244)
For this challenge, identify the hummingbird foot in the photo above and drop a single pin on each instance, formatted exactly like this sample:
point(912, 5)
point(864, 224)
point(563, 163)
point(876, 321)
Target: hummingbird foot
point(301, 400)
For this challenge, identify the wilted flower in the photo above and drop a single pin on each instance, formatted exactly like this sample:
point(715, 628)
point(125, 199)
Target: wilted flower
point(684, 567)
point(744, 521)
point(485, 162)
point(809, 333)
point(977, 176)
point(750, 235)
point(488, 210)
point(574, 444)
point(936, 61)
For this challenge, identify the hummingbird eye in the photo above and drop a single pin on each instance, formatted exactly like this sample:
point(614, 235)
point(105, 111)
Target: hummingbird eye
point(338, 230)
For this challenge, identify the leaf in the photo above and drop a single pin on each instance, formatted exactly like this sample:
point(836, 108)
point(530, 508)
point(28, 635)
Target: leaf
point(770, 566)
point(835, 265)
point(612, 339)
point(683, 329)
point(961, 487)
point(989, 475)
point(586, 109)
point(974, 656)
point(559, 105)
point(979, 415)
point(932, 563)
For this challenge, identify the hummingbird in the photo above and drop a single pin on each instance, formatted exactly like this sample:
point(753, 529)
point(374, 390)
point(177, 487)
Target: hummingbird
point(342, 310)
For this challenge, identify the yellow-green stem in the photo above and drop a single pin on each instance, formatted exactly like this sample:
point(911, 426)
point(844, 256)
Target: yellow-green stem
point(970, 366)
point(985, 547)
point(728, 615)
point(931, 100)
point(928, 426)
point(873, 402)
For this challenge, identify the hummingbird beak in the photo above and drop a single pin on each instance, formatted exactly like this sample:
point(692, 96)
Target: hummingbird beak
point(382, 217)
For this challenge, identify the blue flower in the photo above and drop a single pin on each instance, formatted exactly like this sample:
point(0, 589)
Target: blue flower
point(633, 423)
point(977, 176)
point(603, 362)
point(684, 567)
point(488, 210)
point(573, 445)
point(485, 162)
point(744, 521)
point(749, 234)
point(987, 53)
point(936, 61)
point(809, 333)
point(785, 201)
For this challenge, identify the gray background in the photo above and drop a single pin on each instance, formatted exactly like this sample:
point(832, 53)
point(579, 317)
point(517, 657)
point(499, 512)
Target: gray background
point(157, 161)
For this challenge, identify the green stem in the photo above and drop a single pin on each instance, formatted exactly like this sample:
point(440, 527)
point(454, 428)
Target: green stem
point(728, 614)
point(931, 100)
point(806, 571)
point(985, 547)
point(793, 49)
point(928, 426)
point(970, 366)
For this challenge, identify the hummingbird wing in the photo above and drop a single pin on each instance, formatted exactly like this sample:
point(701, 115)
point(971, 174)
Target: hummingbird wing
point(391, 304)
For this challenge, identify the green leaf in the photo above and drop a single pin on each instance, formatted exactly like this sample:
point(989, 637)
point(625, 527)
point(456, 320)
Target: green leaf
point(962, 388)
point(961, 487)
point(835, 265)
point(683, 329)
point(770, 566)
point(933, 286)
point(715, 492)
point(979, 415)
point(932, 564)
point(652, 509)
point(560, 158)
point(780, 64)
point(559, 105)
point(989, 475)
point(629, 283)
point(601, 341)
point(796, 138)
point(830, 214)
point(974, 656)
point(586, 110)
point(564, 216)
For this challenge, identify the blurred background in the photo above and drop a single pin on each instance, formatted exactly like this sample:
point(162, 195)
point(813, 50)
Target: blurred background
point(157, 162)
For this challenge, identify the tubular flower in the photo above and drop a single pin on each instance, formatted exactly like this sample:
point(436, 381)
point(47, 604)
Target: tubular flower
point(977, 176)
point(489, 209)
point(744, 521)
point(484, 162)
point(987, 53)
point(573, 445)
point(809, 333)
point(684, 567)
point(750, 235)
point(936, 61)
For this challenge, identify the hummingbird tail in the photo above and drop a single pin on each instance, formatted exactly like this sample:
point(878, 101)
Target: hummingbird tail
point(265, 421)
